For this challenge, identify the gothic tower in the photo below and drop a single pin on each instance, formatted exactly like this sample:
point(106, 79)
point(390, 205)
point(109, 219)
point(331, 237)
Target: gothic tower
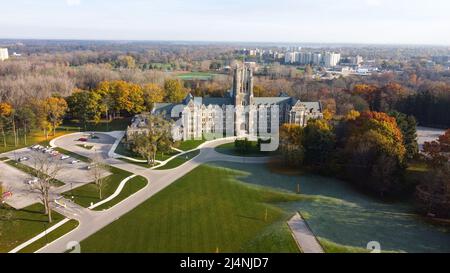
point(243, 85)
point(243, 98)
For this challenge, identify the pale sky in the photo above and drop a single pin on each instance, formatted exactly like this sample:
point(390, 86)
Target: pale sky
point(329, 21)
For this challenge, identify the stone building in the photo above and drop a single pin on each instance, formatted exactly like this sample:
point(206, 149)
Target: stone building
point(240, 113)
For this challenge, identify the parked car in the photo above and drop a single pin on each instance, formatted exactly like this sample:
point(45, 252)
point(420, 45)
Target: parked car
point(23, 159)
point(32, 181)
point(75, 162)
point(83, 139)
point(64, 157)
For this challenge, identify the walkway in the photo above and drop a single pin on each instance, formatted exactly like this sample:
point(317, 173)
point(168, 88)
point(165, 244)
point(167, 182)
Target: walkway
point(305, 238)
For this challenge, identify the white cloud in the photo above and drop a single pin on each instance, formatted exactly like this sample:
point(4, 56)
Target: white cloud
point(72, 3)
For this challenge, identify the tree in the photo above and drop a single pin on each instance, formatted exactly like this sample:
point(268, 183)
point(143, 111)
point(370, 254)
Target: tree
point(374, 153)
point(83, 105)
point(291, 136)
point(27, 120)
point(433, 195)
point(152, 93)
point(56, 108)
point(318, 141)
point(46, 169)
point(5, 112)
point(175, 92)
point(408, 126)
point(155, 137)
point(97, 171)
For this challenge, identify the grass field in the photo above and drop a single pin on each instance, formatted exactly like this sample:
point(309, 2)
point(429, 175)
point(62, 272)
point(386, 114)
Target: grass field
point(18, 226)
point(179, 160)
point(52, 236)
point(36, 137)
point(132, 186)
point(204, 76)
point(88, 194)
point(119, 124)
point(254, 151)
point(190, 144)
point(123, 150)
point(206, 210)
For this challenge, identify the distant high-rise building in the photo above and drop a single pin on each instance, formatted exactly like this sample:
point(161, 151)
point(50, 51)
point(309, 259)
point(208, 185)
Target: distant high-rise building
point(3, 54)
point(441, 59)
point(290, 57)
point(331, 59)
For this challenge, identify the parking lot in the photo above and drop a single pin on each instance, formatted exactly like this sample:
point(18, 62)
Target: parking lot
point(101, 144)
point(15, 181)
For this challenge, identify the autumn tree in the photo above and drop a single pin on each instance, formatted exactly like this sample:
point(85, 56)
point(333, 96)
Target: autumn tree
point(374, 153)
point(27, 120)
point(5, 113)
point(318, 142)
point(152, 94)
point(291, 147)
point(433, 194)
point(175, 92)
point(55, 108)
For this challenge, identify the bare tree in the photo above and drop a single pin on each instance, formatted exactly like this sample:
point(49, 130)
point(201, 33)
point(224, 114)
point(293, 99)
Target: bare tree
point(46, 170)
point(97, 171)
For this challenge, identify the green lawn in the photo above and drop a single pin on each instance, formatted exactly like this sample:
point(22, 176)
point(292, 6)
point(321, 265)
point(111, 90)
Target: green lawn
point(205, 76)
point(18, 226)
point(206, 210)
point(190, 144)
point(123, 150)
point(179, 160)
point(32, 171)
point(119, 124)
point(332, 247)
point(88, 194)
point(132, 186)
point(254, 151)
point(36, 137)
point(52, 236)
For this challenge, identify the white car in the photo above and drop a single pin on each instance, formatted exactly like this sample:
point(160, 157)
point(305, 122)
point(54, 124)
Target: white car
point(64, 157)
point(23, 159)
point(75, 162)
point(32, 181)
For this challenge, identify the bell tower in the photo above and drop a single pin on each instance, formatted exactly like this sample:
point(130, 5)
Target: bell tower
point(243, 98)
point(243, 85)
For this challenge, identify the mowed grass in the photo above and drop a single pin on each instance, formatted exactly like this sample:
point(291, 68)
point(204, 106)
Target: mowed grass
point(179, 160)
point(123, 150)
point(206, 210)
point(18, 226)
point(190, 144)
point(134, 185)
point(89, 193)
point(119, 124)
point(52, 236)
point(35, 137)
point(253, 151)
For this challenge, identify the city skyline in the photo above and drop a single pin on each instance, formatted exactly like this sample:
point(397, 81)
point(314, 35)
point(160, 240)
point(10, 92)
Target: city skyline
point(349, 21)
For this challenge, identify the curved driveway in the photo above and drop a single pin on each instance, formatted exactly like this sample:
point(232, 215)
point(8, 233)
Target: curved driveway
point(92, 221)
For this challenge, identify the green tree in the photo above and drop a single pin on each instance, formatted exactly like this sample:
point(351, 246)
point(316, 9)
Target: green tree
point(318, 142)
point(83, 105)
point(407, 125)
point(291, 137)
point(27, 120)
point(156, 137)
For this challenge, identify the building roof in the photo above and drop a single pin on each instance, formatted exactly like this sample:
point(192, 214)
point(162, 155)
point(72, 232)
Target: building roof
point(272, 100)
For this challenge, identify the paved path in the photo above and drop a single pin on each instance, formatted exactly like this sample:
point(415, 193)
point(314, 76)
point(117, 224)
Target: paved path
point(93, 221)
point(305, 238)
